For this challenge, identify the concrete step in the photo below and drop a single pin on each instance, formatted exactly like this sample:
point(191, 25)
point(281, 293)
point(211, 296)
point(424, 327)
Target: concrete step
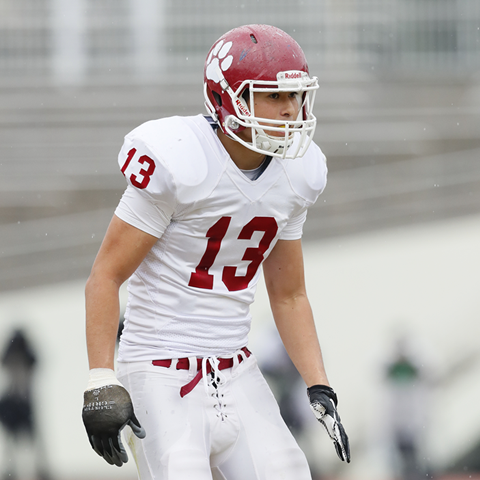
point(397, 153)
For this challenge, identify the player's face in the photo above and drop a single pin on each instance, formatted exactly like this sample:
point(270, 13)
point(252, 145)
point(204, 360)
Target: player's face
point(276, 106)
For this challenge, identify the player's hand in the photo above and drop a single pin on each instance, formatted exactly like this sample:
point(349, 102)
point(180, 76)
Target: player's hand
point(323, 402)
point(106, 411)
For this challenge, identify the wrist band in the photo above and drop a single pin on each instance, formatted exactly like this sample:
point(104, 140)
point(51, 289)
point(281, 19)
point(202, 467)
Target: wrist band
point(100, 377)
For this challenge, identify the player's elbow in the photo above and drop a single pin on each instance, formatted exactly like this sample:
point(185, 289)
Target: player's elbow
point(100, 278)
point(92, 283)
point(289, 301)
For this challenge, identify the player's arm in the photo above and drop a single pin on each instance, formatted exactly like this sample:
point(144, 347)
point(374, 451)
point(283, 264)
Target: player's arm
point(123, 249)
point(107, 405)
point(285, 281)
point(284, 277)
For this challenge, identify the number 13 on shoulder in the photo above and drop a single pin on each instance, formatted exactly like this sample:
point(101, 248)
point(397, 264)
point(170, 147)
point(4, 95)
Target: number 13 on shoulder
point(142, 179)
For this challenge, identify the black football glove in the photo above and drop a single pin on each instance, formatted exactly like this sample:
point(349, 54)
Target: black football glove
point(323, 402)
point(106, 410)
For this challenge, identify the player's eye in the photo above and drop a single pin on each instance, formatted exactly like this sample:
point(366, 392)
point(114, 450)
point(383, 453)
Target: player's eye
point(274, 96)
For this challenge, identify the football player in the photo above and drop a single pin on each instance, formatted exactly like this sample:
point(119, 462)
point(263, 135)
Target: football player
point(210, 201)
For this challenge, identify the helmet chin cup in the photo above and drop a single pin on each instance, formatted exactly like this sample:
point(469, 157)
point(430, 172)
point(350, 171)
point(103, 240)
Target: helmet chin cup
point(276, 146)
point(266, 145)
point(261, 141)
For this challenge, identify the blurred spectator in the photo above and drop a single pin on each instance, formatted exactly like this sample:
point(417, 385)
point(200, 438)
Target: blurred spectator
point(407, 384)
point(16, 405)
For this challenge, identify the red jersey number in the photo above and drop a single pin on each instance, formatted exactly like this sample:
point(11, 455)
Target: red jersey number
point(143, 178)
point(201, 278)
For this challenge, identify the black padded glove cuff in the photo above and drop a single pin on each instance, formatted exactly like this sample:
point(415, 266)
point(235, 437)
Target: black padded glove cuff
point(322, 389)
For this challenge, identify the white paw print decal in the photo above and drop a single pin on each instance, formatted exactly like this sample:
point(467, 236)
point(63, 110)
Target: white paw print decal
point(218, 62)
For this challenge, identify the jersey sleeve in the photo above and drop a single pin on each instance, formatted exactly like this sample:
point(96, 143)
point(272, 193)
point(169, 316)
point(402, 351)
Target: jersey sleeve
point(307, 177)
point(150, 198)
point(294, 228)
point(138, 210)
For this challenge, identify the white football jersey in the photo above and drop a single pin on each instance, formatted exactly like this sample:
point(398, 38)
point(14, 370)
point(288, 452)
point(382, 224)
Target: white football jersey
point(191, 294)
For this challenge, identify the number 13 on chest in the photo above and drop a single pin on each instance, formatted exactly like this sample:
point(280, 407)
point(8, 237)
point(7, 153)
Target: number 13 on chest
point(201, 278)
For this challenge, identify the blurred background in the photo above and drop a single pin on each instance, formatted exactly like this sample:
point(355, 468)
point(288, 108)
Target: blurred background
point(391, 248)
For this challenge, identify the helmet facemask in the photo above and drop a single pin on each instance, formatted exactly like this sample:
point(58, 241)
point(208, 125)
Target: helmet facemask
point(302, 127)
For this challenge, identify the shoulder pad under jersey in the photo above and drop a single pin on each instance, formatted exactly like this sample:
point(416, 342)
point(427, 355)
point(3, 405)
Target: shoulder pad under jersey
point(187, 156)
point(308, 174)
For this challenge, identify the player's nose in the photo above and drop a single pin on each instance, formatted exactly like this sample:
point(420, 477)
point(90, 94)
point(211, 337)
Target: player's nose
point(289, 107)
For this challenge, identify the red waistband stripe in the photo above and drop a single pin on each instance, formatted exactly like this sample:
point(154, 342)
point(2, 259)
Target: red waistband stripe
point(184, 364)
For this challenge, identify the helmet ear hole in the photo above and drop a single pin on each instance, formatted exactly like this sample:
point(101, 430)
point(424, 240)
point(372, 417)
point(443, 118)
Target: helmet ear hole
point(246, 95)
point(217, 98)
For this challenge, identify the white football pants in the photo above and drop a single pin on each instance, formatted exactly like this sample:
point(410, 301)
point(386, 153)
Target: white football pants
point(228, 429)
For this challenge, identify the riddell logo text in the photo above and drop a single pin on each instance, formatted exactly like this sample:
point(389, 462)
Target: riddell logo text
point(293, 75)
point(242, 108)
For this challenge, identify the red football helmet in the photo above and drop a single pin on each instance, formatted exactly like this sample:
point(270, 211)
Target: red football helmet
point(259, 58)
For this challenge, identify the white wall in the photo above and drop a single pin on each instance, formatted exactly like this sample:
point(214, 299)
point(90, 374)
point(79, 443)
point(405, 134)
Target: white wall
point(363, 289)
